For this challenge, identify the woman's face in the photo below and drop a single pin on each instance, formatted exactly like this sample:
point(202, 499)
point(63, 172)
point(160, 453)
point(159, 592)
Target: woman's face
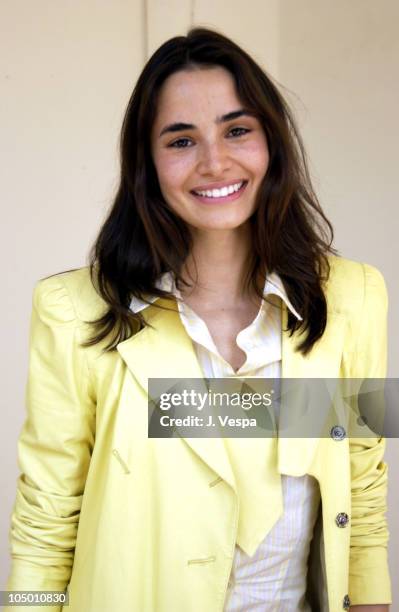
point(210, 155)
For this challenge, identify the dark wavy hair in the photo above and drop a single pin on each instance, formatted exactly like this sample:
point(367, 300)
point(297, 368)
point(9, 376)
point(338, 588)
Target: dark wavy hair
point(142, 237)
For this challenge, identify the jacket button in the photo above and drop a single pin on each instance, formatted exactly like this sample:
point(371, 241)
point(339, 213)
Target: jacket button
point(342, 519)
point(346, 604)
point(338, 432)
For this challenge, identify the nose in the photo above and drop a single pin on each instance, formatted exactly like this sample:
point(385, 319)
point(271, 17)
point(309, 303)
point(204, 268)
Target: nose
point(213, 159)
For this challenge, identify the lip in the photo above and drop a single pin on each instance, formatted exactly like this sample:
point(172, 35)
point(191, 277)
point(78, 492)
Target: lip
point(219, 185)
point(229, 198)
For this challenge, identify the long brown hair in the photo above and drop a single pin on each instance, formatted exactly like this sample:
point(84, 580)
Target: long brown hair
point(142, 238)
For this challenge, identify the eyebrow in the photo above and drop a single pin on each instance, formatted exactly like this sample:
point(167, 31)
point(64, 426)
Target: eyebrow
point(180, 127)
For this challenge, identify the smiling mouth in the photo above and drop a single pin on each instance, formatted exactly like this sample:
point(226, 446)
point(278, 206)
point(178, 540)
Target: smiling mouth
point(221, 193)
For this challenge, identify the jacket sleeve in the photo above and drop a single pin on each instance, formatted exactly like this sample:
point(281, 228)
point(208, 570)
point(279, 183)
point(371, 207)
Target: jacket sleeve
point(54, 447)
point(369, 581)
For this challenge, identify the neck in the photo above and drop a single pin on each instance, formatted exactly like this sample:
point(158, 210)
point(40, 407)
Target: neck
point(217, 266)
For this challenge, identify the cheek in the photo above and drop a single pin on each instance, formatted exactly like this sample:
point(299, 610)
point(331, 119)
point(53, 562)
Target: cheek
point(172, 171)
point(257, 157)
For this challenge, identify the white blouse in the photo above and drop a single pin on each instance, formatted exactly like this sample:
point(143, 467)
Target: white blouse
point(272, 578)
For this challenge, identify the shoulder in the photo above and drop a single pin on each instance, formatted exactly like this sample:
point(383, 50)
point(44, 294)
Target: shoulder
point(357, 291)
point(352, 284)
point(68, 296)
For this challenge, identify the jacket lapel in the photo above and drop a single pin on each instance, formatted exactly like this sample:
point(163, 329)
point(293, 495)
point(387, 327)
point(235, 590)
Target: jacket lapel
point(295, 454)
point(165, 351)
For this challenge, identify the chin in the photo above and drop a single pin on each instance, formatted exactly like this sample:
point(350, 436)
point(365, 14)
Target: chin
point(218, 226)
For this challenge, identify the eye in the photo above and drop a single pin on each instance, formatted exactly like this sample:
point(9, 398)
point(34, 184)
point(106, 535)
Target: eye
point(238, 131)
point(180, 143)
point(184, 143)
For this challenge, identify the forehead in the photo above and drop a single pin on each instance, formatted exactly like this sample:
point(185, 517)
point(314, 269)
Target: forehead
point(197, 91)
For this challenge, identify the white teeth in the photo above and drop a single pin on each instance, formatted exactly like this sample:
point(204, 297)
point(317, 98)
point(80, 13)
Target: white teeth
point(220, 193)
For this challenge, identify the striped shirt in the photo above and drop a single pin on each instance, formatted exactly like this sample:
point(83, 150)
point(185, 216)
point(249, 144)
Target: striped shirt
point(272, 578)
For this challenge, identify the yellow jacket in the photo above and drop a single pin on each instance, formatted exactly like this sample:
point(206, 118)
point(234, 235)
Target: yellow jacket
point(154, 521)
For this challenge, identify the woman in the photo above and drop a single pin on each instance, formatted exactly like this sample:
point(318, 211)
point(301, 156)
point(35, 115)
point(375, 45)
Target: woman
point(214, 261)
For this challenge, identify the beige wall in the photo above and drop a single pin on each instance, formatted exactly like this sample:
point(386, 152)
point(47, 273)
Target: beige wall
point(67, 72)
